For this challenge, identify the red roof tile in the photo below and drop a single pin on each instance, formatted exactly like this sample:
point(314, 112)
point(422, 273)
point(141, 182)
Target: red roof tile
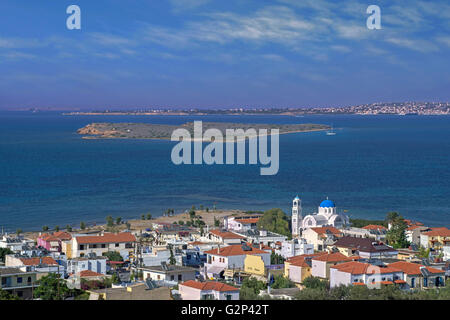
point(374, 227)
point(355, 267)
point(89, 273)
point(207, 286)
point(37, 261)
point(107, 238)
point(332, 257)
point(435, 232)
point(413, 268)
point(226, 234)
point(234, 250)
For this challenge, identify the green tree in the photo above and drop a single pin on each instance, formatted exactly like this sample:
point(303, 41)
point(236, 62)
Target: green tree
point(45, 228)
point(82, 225)
point(172, 260)
point(4, 252)
point(276, 258)
point(281, 282)
point(423, 253)
point(109, 221)
point(216, 222)
point(69, 228)
point(143, 217)
point(181, 222)
point(19, 231)
point(5, 295)
point(192, 213)
point(275, 220)
point(51, 287)
point(391, 216)
point(250, 288)
point(115, 278)
point(113, 256)
point(149, 216)
point(396, 235)
point(315, 283)
point(118, 220)
point(56, 228)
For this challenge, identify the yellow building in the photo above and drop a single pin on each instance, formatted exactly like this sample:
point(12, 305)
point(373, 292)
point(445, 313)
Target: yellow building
point(254, 265)
point(436, 238)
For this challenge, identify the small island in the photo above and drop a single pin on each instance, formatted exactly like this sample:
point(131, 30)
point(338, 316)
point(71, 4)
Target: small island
point(162, 131)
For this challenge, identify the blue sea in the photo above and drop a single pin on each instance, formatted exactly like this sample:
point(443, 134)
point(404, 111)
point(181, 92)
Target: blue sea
point(375, 164)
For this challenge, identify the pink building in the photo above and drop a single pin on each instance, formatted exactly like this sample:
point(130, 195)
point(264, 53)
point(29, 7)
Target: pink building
point(196, 290)
point(52, 242)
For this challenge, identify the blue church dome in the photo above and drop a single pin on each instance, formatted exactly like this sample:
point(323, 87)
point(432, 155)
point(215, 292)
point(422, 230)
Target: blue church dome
point(297, 198)
point(327, 204)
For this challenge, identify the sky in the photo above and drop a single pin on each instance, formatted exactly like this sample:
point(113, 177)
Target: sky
point(221, 54)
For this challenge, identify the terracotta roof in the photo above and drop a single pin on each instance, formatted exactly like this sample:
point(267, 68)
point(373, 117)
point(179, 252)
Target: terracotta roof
point(37, 261)
point(207, 286)
point(89, 273)
point(442, 232)
point(355, 267)
point(107, 238)
point(412, 227)
point(247, 221)
point(359, 284)
point(374, 227)
point(226, 234)
point(303, 256)
point(234, 250)
point(332, 257)
point(400, 281)
point(413, 268)
point(323, 230)
point(60, 235)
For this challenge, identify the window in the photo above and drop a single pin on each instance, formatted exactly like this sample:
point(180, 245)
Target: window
point(19, 279)
point(20, 294)
point(413, 282)
point(81, 246)
point(117, 245)
point(180, 277)
point(103, 245)
point(425, 282)
point(228, 296)
point(172, 277)
point(4, 281)
point(29, 279)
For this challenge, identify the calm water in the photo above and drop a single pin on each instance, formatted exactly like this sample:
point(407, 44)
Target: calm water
point(50, 176)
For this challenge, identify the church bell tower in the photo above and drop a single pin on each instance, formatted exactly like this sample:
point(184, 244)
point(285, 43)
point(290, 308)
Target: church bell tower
point(296, 216)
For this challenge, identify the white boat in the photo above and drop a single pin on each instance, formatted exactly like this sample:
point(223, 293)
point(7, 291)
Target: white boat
point(331, 132)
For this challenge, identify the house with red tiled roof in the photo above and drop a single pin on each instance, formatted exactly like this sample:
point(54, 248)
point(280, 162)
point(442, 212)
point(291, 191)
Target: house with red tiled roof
point(196, 290)
point(52, 241)
point(321, 264)
point(299, 267)
point(41, 265)
point(413, 233)
point(224, 237)
point(359, 273)
point(231, 257)
point(364, 247)
point(321, 237)
point(374, 227)
point(419, 276)
point(123, 243)
point(241, 223)
point(436, 238)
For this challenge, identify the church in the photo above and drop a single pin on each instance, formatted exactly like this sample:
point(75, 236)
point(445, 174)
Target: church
point(326, 217)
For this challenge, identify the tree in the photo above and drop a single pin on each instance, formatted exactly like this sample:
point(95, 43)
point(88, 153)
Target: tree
point(181, 222)
point(113, 256)
point(45, 228)
point(216, 222)
point(128, 226)
point(149, 216)
point(115, 278)
point(391, 216)
point(82, 225)
point(143, 217)
point(109, 221)
point(423, 253)
point(281, 282)
point(275, 220)
point(276, 258)
point(314, 283)
point(56, 228)
point(192, 213)
point(19, 231)
point(4, 252)
point(250, 288)
point(69, 228)
point(5, 295)
point(172, 260)
point(51, 287)
point(201, 231)
point(396, 235)
point(118, 220)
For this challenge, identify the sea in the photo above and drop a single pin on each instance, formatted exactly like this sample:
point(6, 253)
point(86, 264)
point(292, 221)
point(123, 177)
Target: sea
point(50, 176)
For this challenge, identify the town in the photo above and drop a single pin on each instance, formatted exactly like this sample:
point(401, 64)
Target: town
point(206, 254)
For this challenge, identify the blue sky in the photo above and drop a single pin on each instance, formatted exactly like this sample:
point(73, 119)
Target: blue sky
point(215, 53)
